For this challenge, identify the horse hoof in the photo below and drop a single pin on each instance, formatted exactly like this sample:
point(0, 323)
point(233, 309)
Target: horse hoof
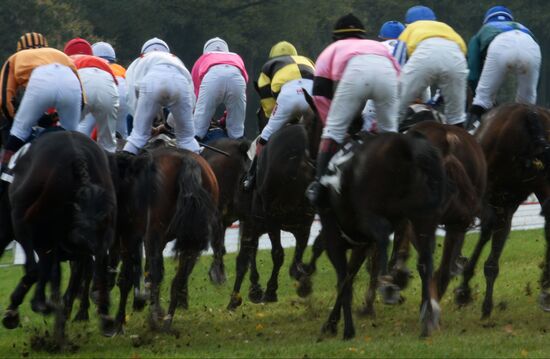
point(390, 293)
point(11, 319)
point(296, 271)
point(255, 294)
point(108, 326)
point(140, 300)
point(463, 296)
point(401, 277)
point(235, 301)
point(217, 275)
point(305, 287)
point(429, 316)
point(329, 328)
point(81, 316)
point(367, 312)
point(269, 297)
point(544, 301)
point(458, 266)
point(41, 307)
point(349, 333)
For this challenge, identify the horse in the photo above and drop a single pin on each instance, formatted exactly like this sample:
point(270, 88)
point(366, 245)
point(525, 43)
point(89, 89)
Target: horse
point(184, 208)
point(230, 171)
point(64, 207)
point(277, 203)
point(391, 179)
point(514, 138)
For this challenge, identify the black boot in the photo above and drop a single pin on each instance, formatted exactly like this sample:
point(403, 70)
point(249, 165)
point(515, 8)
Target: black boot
point(250, 178)
point(316, 193)
point(473, 119)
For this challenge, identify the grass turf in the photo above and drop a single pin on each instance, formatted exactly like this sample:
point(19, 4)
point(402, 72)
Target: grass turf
point(291, 327)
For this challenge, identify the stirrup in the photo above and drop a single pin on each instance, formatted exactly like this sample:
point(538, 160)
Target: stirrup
point(316, 193)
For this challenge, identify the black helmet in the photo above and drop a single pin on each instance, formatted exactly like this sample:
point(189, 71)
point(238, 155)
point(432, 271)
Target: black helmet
point(348, 26)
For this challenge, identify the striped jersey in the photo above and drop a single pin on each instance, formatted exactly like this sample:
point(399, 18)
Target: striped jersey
point(278, 71)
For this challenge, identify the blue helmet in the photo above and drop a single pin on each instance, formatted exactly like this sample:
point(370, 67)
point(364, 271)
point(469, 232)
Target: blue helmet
point(419, 12)
point(498, 13)
point(391, 30)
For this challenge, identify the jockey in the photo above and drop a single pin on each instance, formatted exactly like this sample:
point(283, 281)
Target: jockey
point(155, 80)
point(389, 32)
point(46, 78)
point(501, 45)
point(219, 76)
point(280, 85)
point(348, 72)
point(105, 51)
point(435, 53)
point(100, 86)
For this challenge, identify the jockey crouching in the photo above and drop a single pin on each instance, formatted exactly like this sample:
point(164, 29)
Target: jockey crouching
point(219, 76)
point(499, 47)
point(436, 57)
point(49, 79)
point(348, 73)
point(106, 52)
point(155, 80)
point(281, 84)
point(100, 87)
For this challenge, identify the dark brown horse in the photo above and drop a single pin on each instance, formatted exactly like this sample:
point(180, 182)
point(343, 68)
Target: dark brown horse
point(514, 138)
point(278, 203)
point(185, 208)
point(229, 171)
point(393, 178)
point(64, 207)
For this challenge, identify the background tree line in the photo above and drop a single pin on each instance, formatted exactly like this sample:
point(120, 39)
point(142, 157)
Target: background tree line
point(250, 27)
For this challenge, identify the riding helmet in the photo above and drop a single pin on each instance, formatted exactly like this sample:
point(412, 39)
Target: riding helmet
point(154, 44)
point(104, 50)
point(419, 12)
point(78, 46)
point(498, 13)
point(215, 45)
point(391, 30)
point(282, 48)
point(348, 26)
point(31, 40)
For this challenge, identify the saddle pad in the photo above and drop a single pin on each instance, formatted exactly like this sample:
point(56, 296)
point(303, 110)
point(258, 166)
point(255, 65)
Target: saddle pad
point(339, 162)
point(7, 176)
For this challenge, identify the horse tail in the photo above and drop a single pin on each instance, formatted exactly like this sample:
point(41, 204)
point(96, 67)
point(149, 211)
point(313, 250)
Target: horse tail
point(194, 221)
point(538, 135)
point(428, 160)
point(91, 204)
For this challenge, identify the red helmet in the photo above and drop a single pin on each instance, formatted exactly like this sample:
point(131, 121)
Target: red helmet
point(78, 46)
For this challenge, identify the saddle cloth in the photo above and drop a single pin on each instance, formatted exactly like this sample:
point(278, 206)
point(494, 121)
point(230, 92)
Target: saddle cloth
point(341, 161)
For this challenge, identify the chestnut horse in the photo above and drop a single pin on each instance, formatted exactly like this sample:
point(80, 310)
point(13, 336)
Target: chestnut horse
point(514, 138)
point(185, 208)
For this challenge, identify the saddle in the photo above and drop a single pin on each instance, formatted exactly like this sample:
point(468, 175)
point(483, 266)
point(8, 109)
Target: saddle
point(420, 112)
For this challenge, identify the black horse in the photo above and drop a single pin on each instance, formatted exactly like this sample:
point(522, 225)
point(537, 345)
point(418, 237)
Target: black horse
point(393, 178)
point(63, 207)
point(285, 169)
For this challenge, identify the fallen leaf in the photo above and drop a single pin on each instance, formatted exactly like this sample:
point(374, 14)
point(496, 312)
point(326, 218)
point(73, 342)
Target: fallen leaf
point(352, 349)
point(259, 326)
point(367, 338)
point(508, 328)
point(524, 353)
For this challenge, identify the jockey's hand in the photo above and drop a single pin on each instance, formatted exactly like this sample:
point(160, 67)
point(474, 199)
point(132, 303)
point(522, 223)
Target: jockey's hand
point(260, 143)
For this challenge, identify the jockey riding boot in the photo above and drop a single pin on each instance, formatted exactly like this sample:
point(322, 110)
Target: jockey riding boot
point(250, 178)
point(13, 144)
point(473, 120)
point(316, 192)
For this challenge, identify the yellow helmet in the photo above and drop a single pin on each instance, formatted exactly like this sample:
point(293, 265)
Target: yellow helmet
point(282, 48)
point(31, 40)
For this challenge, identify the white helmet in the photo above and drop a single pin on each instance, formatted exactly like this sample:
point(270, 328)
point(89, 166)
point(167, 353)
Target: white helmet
point(215, 44)
point(104, 50)
point(154, 44)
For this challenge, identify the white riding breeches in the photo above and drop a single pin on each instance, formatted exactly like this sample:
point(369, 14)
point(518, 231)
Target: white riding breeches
point(52, 85)
point(290, 103)
point(163, 86)
point(510, 52)
point(365, 77)
point(102, 104)
point(440, 62)
point(221, 84)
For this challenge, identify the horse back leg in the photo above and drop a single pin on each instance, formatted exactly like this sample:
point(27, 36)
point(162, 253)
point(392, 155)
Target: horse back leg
point(217, 268)
point(305, 286)
point(491, 267)
point(255, 292)
point(463, 294)
point(60, 317)
point(454, 238)
point(277, 257)
point(302, 236)
point(125, 285)
point(424, 230)
point(249, 246)
point(87, 275)
point(544, 199)
point(75, 284)
point(357, 258)
point(370, 296)
point(400, 254)
point(155, 261)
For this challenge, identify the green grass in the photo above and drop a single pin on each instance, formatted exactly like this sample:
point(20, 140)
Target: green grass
point(291, 327)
